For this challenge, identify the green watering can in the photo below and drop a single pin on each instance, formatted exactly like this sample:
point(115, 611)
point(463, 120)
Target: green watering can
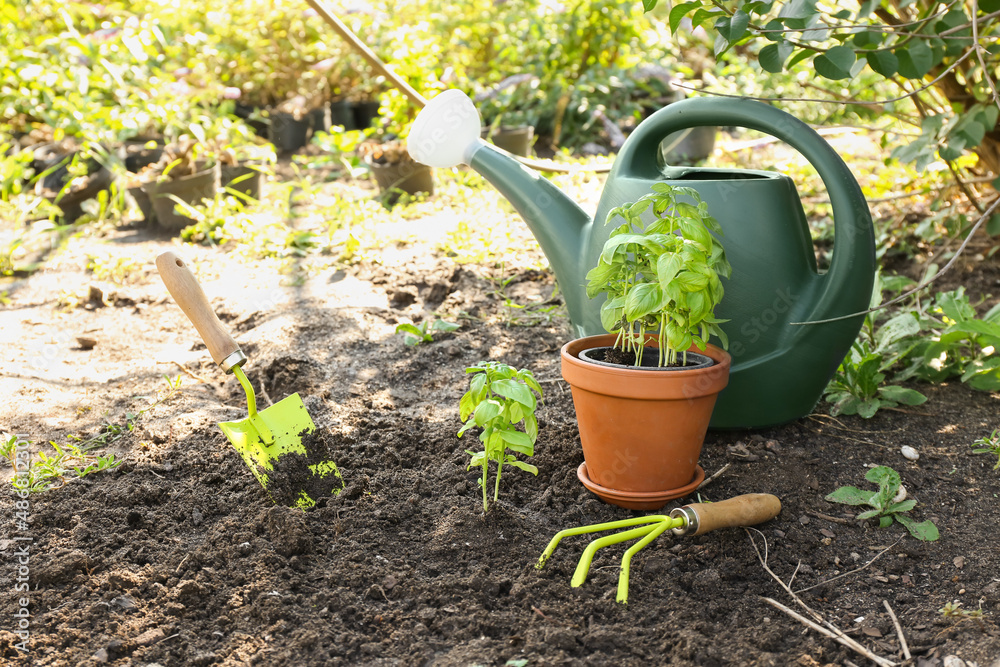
point(779, 368)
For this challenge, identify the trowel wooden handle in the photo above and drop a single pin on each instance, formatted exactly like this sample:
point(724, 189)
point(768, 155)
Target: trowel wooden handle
point(745, 510)
point(184, 287)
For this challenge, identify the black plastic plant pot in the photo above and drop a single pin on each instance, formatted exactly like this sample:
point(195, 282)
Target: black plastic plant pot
point(320, 119)
point(514, 140)
point(242, 178)
point(688, 146)
point(54, 163)
point(288, 133)
point(365, 113)
point(342, 114)
point(650, 359)
point(144, 203)
point(189, 189)
point(395, 179)
point(252, 117)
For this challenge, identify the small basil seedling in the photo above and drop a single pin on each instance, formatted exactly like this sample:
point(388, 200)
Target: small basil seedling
point(500, 398)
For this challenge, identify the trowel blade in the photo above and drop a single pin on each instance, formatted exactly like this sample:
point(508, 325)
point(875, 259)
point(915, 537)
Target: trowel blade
point(288, 421)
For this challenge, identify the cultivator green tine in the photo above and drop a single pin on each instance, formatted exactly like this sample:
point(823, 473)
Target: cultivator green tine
point(695, 519)
point(583, 567)
point(593, 528)
point(649, 528)
point(658, 530)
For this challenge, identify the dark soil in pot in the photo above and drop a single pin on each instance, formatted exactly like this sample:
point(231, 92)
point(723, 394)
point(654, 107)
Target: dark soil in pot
point(612, 356)
point(137, 154)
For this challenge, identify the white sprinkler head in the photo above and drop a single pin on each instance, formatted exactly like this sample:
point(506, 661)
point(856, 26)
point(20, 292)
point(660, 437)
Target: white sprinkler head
point(446, 131)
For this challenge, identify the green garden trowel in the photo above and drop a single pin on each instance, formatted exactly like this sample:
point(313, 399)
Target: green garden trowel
point(270, 441)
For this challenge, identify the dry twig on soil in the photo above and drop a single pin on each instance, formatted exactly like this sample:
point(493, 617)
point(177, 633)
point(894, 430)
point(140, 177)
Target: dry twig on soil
point(714, 476)
point(820, 624)
point(899, 630)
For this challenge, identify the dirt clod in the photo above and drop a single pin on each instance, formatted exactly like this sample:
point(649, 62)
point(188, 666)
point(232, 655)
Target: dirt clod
point(310, 473)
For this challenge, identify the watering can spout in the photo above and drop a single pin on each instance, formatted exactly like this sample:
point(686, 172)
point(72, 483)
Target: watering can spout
point(447, 132)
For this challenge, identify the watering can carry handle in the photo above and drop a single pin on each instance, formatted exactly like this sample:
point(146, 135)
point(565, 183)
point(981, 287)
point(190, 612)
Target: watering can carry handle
point(852, 228)
point(184, 287)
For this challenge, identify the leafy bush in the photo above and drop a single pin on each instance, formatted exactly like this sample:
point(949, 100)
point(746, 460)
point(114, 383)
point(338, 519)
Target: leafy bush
point(906, 43)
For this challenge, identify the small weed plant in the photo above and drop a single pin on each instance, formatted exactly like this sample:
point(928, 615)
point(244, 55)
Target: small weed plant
point(79, 457)
point(989, 445)
point(883, 505)
point(664, 277)
point(858, 387)
point(119, 270)
point(500, 398)
point(953, 610)
point(930, 341)
point(532, 314)
point(415, 334)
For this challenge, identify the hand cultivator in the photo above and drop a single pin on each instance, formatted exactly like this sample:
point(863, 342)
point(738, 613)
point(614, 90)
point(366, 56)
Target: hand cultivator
point(694, 519)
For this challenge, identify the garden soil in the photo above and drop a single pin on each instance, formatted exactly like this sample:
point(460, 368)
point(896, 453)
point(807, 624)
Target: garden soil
point(178, 556)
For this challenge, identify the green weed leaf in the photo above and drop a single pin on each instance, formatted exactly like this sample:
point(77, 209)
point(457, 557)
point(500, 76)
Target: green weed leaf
point(925, 530)
point(850, 495)
point(902, 395)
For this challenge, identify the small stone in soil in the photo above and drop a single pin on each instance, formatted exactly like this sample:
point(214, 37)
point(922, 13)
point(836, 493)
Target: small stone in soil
point(291, 474)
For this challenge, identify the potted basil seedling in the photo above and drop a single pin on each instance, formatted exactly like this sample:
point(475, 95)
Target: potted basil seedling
point(645, 391)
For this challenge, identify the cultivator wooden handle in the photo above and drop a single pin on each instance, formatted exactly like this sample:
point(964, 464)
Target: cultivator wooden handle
point(746, 510)
point(184, 287)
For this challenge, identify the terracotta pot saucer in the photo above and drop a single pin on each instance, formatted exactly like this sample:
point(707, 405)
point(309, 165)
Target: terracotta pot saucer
point(653, 500)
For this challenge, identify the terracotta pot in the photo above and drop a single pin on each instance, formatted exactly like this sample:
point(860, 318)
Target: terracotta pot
point(641, 429)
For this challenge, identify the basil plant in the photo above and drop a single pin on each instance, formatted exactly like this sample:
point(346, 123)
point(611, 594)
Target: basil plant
point(664, 277)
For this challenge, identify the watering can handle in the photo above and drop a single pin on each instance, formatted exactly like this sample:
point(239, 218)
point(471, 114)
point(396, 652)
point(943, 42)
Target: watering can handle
point(184, 287)
point(853, 233)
